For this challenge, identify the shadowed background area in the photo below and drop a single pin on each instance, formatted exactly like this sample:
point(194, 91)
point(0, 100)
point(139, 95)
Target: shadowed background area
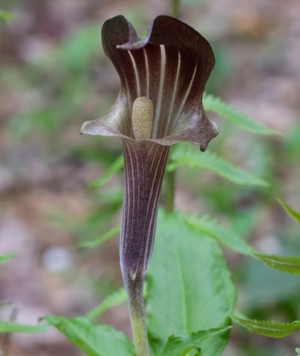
point(54, 76)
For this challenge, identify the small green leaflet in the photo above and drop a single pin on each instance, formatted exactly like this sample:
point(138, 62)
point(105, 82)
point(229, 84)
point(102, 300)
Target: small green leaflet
point(297, 349)
point(8, 327)
point(267, 328)
point(209, 226)
point(94, 340)
point(103, 238)
point(183, 156)
point(290, 264)
point(212, 103)
point(225, 236)
point(109, 302)
point(291, 212)
point(182, 345)
point(6, 258)
point(113, 169)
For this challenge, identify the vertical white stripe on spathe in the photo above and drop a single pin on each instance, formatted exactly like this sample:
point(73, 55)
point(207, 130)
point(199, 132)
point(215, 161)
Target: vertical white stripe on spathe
point(147, 73)
point(125, 215)
point(174, 93)
point(160, 89)
point(186, 94)
point(130, 192)
point(136, 74)
point(127, 89)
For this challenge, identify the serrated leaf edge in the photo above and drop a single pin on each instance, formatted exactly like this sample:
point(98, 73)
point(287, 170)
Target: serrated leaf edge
point(267, 328)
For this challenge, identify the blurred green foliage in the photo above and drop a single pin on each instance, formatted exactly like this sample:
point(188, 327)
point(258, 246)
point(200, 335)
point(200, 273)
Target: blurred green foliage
point(5, 16)
point(63, 79)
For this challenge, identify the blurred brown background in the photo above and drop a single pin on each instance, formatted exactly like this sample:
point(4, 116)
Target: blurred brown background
point(54, 76)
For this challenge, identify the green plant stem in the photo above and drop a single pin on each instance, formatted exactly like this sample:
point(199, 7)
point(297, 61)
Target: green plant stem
point(175, 8)
point(170, 176)
point(134, 289)
point(169, 192)
point(139, 336)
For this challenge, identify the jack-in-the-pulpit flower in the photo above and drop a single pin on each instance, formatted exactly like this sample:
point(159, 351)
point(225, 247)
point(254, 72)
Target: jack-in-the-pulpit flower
point(160, 103)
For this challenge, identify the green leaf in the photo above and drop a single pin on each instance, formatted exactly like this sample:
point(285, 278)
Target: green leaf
point(189, 285)
point(6, 258)
point(267, 328)
point(230, 239)
point(94, 340)
point(208, 226)
point(181, 345)
point(103, 238)
point(109, 302)
point(113, 169)
point(297, 349)
point(194, 159)
point(8, 327)
point(291, 212)
point(290, 264)
point(212, 103)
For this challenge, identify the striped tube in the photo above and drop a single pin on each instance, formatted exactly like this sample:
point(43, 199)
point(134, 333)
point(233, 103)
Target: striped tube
point(145, 164)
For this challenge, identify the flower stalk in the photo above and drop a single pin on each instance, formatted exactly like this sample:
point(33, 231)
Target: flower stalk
point(170, 177)
point(175, 8)
point(134, 289)
point(169, 191)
